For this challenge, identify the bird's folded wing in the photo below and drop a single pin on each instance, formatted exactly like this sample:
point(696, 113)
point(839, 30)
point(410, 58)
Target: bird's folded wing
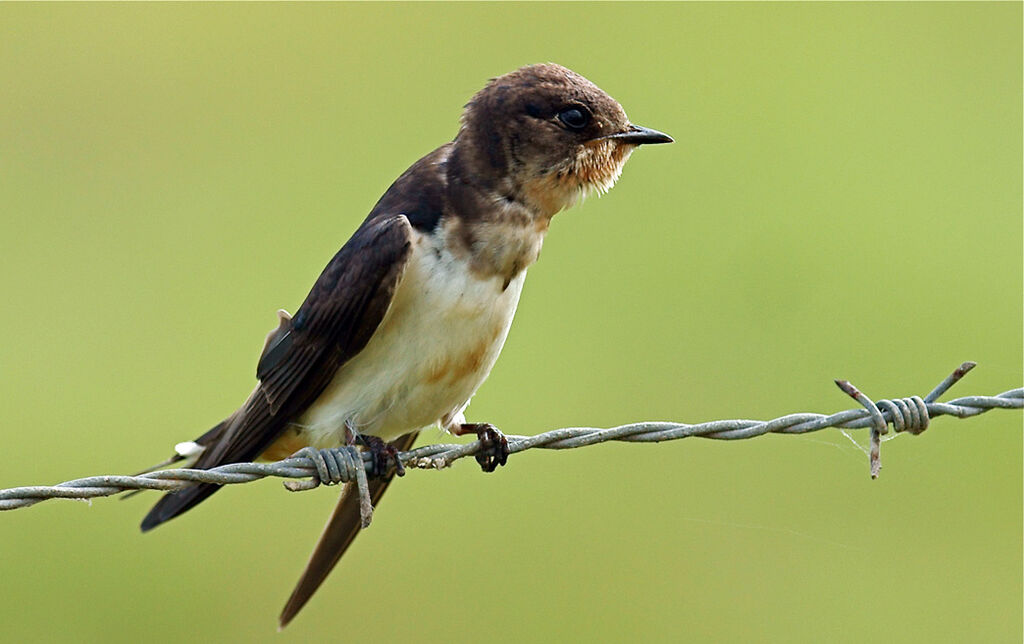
point(341, 312)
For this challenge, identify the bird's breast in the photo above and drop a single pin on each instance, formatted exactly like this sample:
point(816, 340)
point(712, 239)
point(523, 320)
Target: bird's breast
point(435, 346)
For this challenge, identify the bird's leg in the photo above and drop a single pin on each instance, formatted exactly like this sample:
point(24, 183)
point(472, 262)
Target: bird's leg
point(493, 444)
point(384, 454)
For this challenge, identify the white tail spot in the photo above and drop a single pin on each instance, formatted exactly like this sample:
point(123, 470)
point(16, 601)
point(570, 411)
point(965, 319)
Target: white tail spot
point(189, 449)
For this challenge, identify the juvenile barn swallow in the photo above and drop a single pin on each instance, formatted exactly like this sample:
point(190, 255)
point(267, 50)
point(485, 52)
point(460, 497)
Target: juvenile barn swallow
point(407, 319)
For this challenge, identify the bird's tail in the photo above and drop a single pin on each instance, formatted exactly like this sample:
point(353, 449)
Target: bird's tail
point(172, 504)
point(338, 534)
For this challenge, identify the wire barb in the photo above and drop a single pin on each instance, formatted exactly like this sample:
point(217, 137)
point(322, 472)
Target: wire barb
point(911, 414)
point(334, 466)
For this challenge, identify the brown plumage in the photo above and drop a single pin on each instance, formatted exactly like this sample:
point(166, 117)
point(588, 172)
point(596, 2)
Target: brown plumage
point(407, 319)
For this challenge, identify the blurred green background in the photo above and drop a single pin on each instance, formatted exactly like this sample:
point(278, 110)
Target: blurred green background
point(843, 200)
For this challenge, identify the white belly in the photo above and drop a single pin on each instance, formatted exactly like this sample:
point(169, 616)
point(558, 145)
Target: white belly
point(434, 348)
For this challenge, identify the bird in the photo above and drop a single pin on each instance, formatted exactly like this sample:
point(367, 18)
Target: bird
point(407, 319)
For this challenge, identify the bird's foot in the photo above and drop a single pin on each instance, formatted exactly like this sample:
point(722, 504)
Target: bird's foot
point(493, 444)
point(385, 456)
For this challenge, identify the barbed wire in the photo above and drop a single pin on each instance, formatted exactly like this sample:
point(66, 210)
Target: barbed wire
point(331, 466)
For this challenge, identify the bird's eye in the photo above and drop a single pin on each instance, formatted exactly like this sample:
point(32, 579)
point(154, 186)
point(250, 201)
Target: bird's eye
point(574, 118)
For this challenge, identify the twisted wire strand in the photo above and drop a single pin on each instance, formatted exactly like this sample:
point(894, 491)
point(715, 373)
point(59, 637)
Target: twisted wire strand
point(911, 414)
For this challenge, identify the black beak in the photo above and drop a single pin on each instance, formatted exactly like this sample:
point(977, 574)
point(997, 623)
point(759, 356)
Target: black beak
point(639, 136)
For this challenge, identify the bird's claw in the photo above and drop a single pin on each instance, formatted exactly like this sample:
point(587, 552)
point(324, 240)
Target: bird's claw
point(493, 445)
point(385, 456)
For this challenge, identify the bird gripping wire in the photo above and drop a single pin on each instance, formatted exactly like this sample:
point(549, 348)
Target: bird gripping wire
point(911, 414)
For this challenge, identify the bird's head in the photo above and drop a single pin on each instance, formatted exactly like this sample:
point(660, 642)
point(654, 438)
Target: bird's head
point(551, 135)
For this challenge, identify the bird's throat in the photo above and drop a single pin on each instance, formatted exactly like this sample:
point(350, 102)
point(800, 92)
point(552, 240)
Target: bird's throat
point(498, 246)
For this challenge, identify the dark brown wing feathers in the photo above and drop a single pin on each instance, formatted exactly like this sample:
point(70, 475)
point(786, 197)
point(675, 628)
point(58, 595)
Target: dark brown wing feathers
point(335, 322)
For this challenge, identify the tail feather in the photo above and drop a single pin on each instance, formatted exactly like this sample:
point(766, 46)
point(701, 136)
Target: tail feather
point(341, 529)
point(172, 504)
point(176, 458)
